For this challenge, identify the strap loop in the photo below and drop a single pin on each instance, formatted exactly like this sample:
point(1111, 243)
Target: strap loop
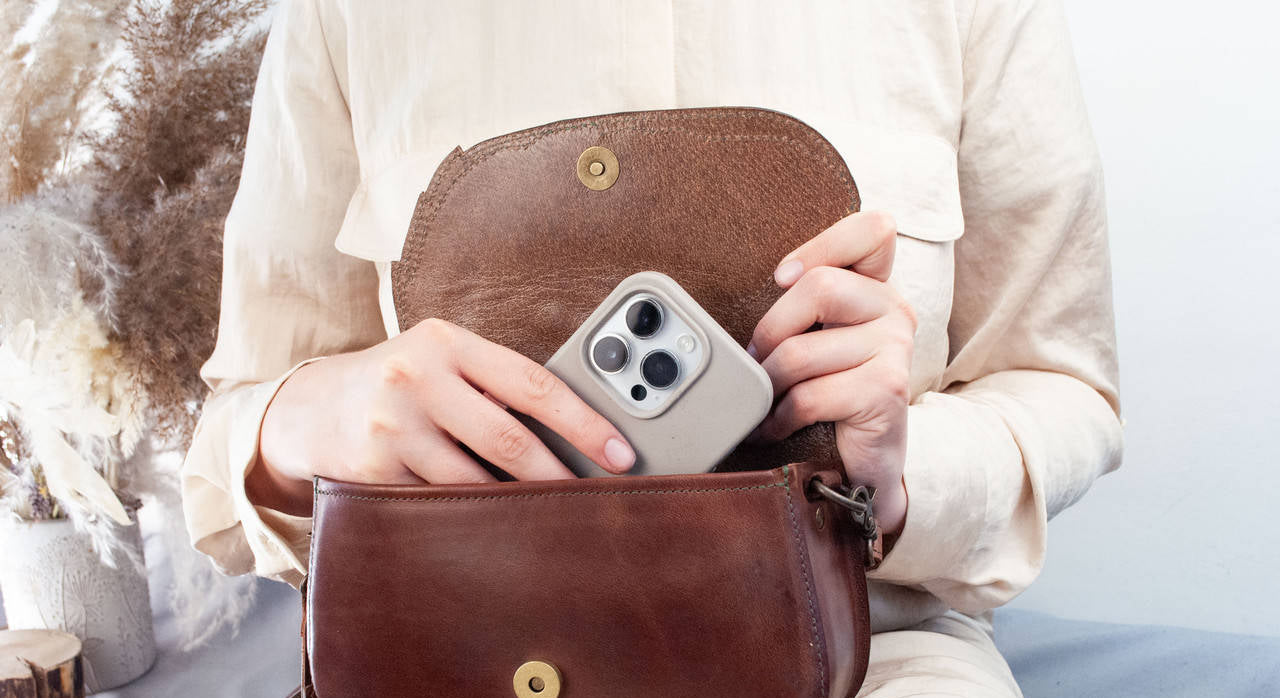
point(858, 502)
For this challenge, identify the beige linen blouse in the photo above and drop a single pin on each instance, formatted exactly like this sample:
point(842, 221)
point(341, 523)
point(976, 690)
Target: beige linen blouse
point(964, 121)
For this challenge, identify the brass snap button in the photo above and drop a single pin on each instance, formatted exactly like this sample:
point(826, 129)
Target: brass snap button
point(597, 168)
point(536, 680)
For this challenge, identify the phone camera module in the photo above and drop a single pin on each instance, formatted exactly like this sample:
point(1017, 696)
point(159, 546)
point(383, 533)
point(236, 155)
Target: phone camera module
point(644, 318)
point(659, 369)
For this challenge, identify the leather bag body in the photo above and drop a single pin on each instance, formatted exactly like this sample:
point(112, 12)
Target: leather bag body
point(739, 582)
point(728, 584)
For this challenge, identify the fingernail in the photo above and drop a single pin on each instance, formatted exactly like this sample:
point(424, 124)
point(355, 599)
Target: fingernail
point(787, 273)
point(619, 454)
point(751, 349)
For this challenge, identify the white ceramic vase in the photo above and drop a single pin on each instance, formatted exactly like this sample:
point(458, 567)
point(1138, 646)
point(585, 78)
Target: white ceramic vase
point(50, 578)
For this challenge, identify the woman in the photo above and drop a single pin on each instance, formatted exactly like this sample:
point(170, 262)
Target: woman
point(967, 356)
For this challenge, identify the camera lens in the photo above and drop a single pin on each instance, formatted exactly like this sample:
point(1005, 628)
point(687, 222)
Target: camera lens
point(610, 354)
point(644, 318)
point(659, 369)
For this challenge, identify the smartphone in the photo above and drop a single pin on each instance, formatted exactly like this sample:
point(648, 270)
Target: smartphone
point(655, 364)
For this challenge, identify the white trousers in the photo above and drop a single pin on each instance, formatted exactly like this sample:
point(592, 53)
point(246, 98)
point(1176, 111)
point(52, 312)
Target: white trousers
point(951, 655)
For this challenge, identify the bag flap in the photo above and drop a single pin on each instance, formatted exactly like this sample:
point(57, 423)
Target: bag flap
point(509, 243)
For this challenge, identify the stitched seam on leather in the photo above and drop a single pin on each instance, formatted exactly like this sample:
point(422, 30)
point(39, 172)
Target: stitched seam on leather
point(435, 203)
point(534, 495)
point(523, 140)
point(813, 612)
point(416, 240)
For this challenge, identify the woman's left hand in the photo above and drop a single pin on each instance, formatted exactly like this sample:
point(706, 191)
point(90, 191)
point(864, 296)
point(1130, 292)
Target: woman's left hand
point(853, 371)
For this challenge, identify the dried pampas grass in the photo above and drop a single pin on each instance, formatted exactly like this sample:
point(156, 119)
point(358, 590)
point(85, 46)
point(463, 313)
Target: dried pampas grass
point(50, 76)
point(205, 602)
point(167, 175)
point(157, 93)
point(52, 254)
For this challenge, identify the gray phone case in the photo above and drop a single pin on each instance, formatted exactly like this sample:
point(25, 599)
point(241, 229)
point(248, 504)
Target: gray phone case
point(702, 420)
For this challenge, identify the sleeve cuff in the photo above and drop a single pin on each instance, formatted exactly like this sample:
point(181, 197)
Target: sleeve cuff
point(239, 535)
point(947, 443)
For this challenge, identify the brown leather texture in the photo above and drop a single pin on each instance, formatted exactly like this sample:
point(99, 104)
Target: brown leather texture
point(509, 243)
point(708, 585)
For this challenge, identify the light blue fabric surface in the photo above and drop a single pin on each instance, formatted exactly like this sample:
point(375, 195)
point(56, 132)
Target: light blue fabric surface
point(1050, 657)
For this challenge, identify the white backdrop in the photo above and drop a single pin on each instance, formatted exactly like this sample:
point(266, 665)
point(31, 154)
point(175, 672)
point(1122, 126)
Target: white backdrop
point(1185, 102)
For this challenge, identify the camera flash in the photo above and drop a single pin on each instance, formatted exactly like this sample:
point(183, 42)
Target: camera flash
point(685, 343)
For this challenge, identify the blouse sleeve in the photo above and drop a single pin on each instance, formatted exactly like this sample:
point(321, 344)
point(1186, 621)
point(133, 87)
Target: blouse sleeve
point(1029, 414)
point(288, 296)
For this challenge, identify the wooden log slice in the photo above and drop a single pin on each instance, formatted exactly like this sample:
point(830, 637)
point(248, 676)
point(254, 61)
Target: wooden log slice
point(40, 664)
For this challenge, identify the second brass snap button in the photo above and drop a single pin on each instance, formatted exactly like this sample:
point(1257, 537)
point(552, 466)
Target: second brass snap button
point(536, 679)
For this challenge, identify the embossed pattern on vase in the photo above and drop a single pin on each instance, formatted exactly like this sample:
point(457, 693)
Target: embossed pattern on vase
point(52, 579)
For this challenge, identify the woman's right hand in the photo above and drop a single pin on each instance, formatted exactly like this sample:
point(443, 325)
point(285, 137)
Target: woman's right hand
point(395, 413)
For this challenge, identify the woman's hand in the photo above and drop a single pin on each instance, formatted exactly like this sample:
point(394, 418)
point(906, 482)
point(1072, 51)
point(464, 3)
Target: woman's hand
point(395, 413)
point(854, 371)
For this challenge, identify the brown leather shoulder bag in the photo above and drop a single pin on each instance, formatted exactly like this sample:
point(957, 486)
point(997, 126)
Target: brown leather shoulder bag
point(748, 581)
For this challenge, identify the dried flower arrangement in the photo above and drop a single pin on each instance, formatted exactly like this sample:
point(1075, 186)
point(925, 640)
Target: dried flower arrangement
point(122, 147)
point(70, 409)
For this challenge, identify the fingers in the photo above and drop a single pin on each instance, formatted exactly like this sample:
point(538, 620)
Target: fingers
point(527, 387)
point(494, 434)
point(876, 388)
point(434, 457)
point(862, 241)
point(402, 445)
point(812, 354)
point(824, 294)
